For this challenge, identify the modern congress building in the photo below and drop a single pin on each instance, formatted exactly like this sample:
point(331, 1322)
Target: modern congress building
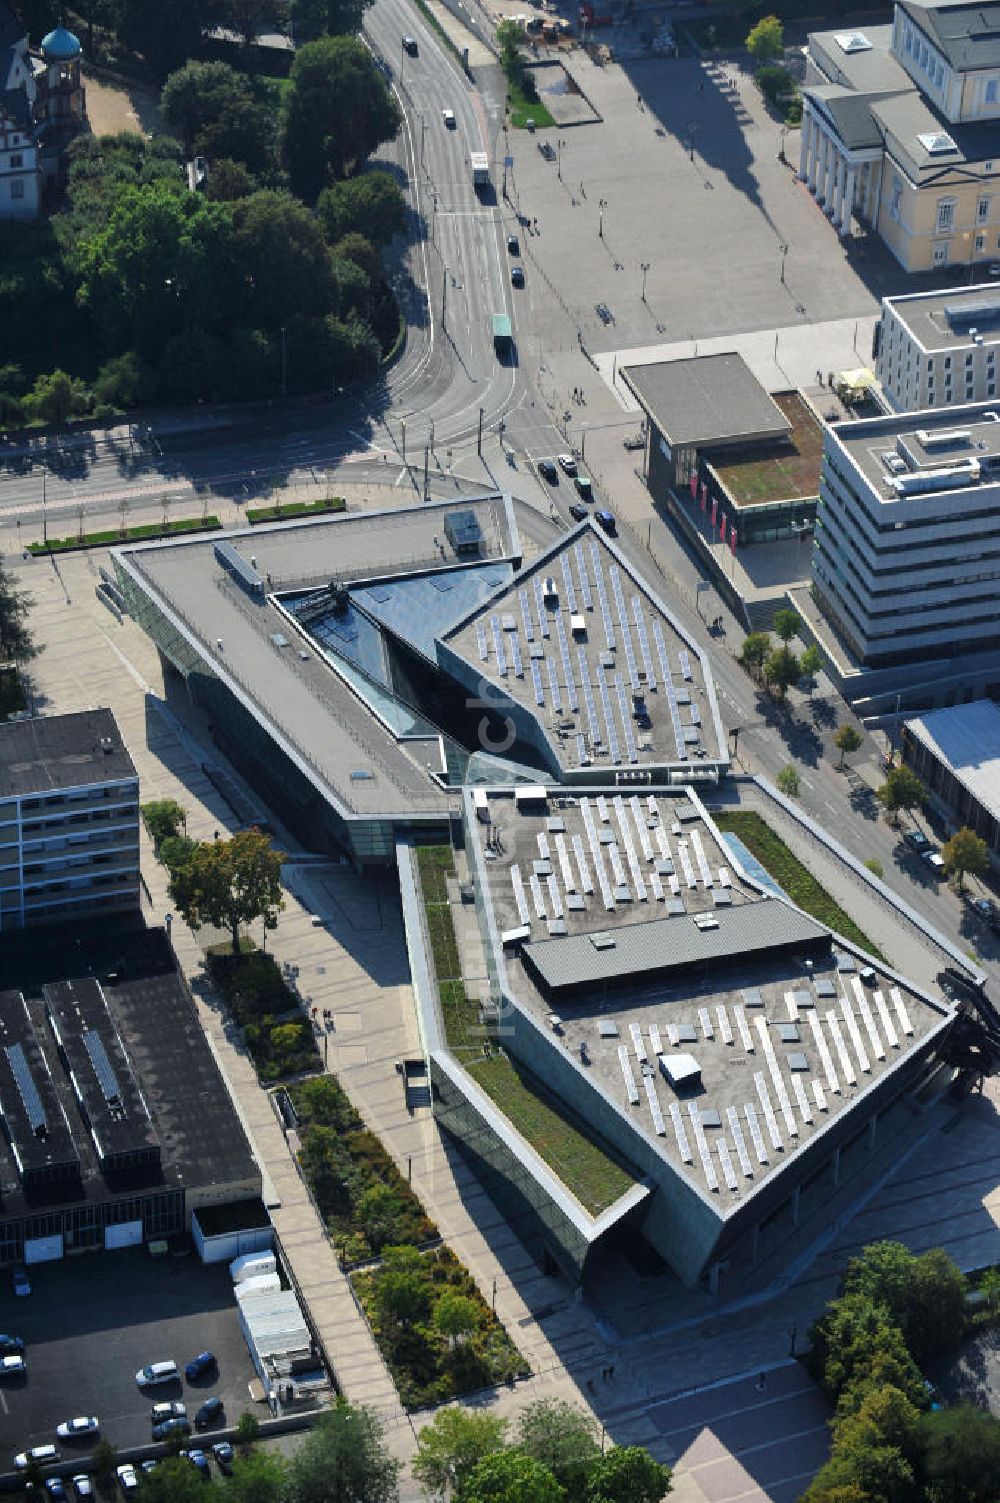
point(361, 669)
point(736, 1057)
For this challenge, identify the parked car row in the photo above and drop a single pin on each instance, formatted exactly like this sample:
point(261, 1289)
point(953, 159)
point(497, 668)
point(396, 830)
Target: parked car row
point(155, 1373)
point(128, 1473)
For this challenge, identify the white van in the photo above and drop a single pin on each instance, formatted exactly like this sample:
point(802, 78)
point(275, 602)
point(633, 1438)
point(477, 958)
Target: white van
point(157, 1372)
point(251, 1264)
point(41, 1454)
point(262, 1283)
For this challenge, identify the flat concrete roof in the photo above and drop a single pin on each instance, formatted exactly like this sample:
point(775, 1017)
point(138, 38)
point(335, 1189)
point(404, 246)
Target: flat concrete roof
point(756, 1021)
point(842, 56)
point(310, 708)
point(944, 319)
point(939, 438)
point(51, 752)
point(705, 400)
point(580, 641)
point(966, 738)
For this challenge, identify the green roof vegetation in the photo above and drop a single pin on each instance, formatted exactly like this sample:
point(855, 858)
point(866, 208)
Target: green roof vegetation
point(788, 473)
point(586, 1170)
point(790, 874)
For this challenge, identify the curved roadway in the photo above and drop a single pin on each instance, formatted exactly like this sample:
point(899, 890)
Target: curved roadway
point(453, 275)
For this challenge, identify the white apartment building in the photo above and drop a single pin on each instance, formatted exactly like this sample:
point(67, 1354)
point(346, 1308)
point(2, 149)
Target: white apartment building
point(906, 558)
point(936, 349)
point(69, 820)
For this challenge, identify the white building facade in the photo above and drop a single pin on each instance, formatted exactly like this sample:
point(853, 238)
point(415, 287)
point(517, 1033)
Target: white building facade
point(935, 349)
point(906, 558)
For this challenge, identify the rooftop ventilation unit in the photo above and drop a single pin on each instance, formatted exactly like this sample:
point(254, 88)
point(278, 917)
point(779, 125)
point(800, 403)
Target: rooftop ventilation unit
point(920, 482)
point(986, 311)
point(944, 438)
point(238, 569)
point(893, 462)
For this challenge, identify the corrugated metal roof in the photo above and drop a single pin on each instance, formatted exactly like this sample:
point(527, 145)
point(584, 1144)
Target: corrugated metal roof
point(661, 944)
point(967, 739)
point(276, 1323)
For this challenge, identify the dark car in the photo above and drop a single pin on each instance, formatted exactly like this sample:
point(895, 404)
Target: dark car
point(585, 486)
point(578, 513)
point(513, 245)
point(204, 1363)
point(11, 1346)
point(206, 1414)
point(166, 1428)
point(410, 46)
point(606, 520)
point(56, 1488)
point(200, 1460)
point(548, 471)
point(223, 1453)
point(517, 276)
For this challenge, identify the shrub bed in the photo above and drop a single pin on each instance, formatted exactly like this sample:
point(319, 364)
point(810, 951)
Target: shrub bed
point(294, 509)
point(408, 1301)
point(360, 1193)
point(209, 523)
point(260, 1001)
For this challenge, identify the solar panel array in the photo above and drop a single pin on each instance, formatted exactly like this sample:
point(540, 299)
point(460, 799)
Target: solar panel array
point(94, 1045)
point(26, 1088)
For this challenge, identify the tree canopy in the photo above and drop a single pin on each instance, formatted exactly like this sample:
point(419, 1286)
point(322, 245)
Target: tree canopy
point(628, 1474)
point(847, 739)
point(338, 109)
point(230, 883)
point(560, 1436)
point(965, 854)
point(902, 789)
point(766, 41)
point(924, 1294)
point(343, 1460)
point(512, 1477)
point(371, 204)
point(452, 1445)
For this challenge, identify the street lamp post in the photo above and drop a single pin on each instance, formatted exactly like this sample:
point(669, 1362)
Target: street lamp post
point(559, 146)
point(644, 267)
point(284, 362)
point(45, 515)
point(783, 248)
point(602, 205)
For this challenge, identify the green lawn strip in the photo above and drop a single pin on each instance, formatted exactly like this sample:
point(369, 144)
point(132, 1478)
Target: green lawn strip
point(426, 1366)
point(594, 1178)
point(523, 109)
point(295, 509)
point(360, 1193)
point(280, 1040)
point(459, 1011)
point(790, 874)
point(209, 523)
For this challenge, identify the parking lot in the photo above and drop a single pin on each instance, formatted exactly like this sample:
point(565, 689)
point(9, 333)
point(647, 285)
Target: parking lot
point(90, 1323)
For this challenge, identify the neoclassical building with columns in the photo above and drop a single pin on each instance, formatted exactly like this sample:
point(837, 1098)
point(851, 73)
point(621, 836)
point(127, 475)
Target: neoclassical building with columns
point(901, 131)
